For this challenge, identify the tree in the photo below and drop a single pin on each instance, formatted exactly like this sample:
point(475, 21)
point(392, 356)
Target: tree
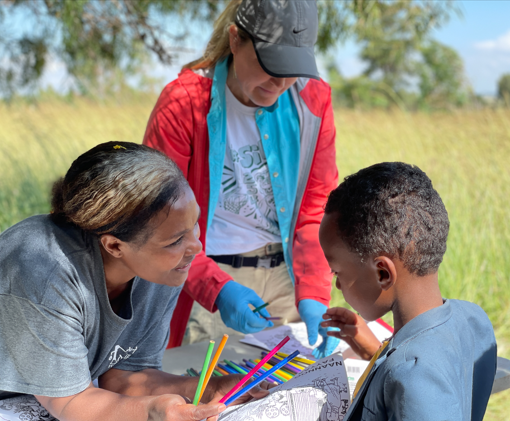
point(95, 37)
point(393, 37)
point(404, 65)
point(504, 88)
point(441, 77)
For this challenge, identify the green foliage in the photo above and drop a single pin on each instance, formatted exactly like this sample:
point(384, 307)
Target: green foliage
point(101, 41)
point(391, 32)
point(504, 88)
point(405, 67)
point(441, 77)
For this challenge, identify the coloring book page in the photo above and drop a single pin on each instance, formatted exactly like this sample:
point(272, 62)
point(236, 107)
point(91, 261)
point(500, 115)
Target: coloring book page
point(318, 393)
point(268, 339)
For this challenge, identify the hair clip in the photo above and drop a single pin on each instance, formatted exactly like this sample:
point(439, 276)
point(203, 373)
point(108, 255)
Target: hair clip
point(119, 147)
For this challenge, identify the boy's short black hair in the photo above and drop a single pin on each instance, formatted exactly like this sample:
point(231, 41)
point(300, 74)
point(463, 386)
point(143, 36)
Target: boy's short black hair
point(391, 208)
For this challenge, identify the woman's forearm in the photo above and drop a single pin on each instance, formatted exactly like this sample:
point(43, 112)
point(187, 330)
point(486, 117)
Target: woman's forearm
point(99, 404)
point(149, 382)
point(94, 404)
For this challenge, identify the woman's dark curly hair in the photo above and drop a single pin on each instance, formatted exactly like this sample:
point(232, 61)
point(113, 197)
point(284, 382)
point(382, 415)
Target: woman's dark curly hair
point(391, 208)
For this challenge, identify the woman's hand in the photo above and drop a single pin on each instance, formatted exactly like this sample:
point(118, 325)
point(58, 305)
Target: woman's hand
point(175, 408)
point(222, 385)
point(353, 330)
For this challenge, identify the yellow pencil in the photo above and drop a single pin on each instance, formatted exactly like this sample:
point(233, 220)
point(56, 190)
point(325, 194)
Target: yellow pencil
point(279, 372)
point(298, 359)
point(213, 364)
point(299, 367)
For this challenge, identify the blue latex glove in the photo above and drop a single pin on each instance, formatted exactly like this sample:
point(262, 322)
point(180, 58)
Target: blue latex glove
point(232, 302)
point(311, 312)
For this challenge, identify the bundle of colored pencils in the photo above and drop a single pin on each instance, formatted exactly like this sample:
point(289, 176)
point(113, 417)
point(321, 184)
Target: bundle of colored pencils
point(273, 366)
point(282, 375)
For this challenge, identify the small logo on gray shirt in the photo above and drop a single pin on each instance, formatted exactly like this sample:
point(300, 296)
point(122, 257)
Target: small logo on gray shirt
point(119, 354)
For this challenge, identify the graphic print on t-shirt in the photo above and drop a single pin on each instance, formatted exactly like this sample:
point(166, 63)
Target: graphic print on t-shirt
point(246, 188)
point(119, 354)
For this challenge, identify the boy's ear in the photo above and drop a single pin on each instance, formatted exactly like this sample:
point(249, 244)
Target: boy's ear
point(386, 272)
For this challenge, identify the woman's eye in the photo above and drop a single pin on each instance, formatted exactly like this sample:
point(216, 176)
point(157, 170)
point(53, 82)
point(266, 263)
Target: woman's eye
point(179, 241)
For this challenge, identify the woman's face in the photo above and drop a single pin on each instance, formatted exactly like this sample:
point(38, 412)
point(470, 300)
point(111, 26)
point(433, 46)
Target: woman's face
point(249, 83)
point(166, 256)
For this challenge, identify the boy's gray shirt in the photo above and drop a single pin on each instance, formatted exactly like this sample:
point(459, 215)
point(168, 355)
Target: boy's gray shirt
point(57, 328)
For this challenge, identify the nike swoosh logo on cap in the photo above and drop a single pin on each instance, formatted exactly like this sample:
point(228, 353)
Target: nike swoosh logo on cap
point(297, 31)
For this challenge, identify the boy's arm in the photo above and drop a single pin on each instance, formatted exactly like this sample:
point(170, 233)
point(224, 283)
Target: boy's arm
point(414, 391)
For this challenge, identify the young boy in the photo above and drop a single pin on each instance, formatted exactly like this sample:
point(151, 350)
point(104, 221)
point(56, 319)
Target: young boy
point(384, 235)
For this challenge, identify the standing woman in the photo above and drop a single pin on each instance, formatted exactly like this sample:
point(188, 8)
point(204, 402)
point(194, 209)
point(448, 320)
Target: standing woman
point(88, 291)
point(251, 126)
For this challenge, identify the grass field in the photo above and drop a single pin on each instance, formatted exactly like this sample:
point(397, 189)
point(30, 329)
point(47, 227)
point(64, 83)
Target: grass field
point(466, 154)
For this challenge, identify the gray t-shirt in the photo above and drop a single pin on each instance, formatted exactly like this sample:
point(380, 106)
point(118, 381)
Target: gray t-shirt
point(57, 328)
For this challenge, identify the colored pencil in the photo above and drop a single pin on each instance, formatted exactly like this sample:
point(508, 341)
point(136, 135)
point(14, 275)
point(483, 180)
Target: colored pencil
point(251, 365)
point(254, 370)
point(279, 372)
point(296, 366)
point(228, 369)
point(218, 374)
point(272, 318)
point(261, 378)
point(213, 364)
point(225, 373)
point(190, 372)
point(195, 372)
point(203, 372)
point(293, 371)
point(235, 367)
point(298, 359)
point(277, 375)
point(256, 310)
point(292, 367)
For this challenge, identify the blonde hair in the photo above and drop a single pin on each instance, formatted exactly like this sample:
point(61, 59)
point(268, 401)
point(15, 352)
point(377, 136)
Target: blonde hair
point(117, 188)
point(218, 46)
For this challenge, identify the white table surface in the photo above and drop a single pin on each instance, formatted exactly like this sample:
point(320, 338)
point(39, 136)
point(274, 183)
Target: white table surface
point(177, 360)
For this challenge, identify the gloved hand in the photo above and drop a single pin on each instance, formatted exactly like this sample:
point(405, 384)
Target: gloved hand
point(311, 312)
point(232, 302)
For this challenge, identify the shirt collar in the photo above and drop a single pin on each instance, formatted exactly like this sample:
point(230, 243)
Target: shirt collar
point(428, 320)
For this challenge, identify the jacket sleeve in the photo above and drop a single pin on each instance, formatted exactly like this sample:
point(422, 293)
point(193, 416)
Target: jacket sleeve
point(311, 270)
point(170, 130)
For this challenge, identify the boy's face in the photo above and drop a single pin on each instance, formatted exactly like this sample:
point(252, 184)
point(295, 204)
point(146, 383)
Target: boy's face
point(358, 281)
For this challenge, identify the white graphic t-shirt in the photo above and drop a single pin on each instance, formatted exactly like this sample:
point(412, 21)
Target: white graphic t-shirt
point(245, 216)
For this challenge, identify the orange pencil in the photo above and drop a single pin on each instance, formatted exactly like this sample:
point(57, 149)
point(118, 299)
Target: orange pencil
point(213, 364)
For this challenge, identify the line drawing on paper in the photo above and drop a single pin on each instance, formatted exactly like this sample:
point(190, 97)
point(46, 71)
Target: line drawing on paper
point(318, 393)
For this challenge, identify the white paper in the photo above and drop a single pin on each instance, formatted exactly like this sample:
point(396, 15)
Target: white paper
point(355, 369)
point(320, 392)
point(268, 339)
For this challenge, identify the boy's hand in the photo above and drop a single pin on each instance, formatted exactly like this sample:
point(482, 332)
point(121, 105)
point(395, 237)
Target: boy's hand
point(353, 330)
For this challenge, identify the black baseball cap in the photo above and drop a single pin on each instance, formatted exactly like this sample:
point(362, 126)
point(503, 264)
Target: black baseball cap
point(284, 33)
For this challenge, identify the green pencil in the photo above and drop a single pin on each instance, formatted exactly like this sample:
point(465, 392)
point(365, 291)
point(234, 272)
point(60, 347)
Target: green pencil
point(260, 308)
point(204, 370)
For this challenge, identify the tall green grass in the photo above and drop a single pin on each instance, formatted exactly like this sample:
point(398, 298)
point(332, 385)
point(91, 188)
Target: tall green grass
point(466, 154)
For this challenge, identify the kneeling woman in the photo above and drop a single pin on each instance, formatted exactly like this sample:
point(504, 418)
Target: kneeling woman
point(88, 292)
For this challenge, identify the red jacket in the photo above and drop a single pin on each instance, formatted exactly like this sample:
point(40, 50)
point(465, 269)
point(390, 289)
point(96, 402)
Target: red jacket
point(178, 128)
